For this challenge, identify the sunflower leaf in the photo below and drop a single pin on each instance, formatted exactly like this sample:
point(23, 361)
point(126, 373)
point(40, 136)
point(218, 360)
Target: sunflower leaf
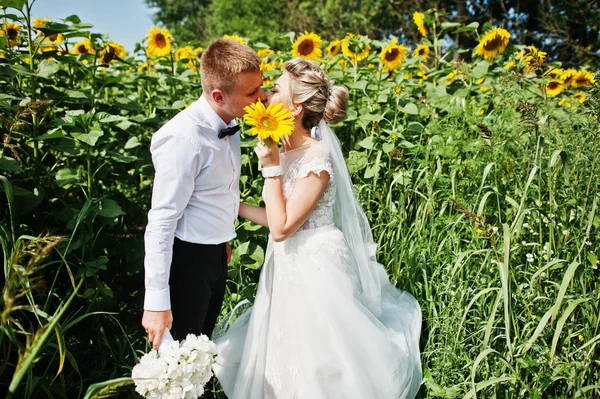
point(18, 4)
point(450, 25)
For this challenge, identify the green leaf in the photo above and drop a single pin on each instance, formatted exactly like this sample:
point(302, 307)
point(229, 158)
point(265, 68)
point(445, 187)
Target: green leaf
point(371, 171)
point(388, 147)
point(472, 27)
point(382, 98)
point(73, 18)
point(370, 118)
point(47, 68)
point(56, 133)
point(415, 127)
point(356, 161)
point(367, 143)
point(109, 209)
point(67, 177)
point(18, 4)
point(90, 138)
point(132, 143)
point(410, 108)
point(105, 117)
point(480, 69)
point(450, 25)
point(10, 164)
point(360, 85)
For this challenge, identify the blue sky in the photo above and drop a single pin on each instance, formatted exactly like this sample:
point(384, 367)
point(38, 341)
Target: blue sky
point(124, 21)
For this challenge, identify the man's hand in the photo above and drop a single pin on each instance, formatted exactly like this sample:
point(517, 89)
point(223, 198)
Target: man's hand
point(155, 322)
point(228, 252)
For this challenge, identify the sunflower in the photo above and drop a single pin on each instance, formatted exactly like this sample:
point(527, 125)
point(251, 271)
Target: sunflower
point(160, 42)
point(2, 56)
point(11, 31)
point(272, 122)
point(84, 47)
point(355, 47)
point(263, 53)
point(111, 51)
point(533, 58)
point(554, 73)
point(185, 53)
point(235, 37)
point(146, 66)
point(392, 56)
point(420, 22)
point(51, 42)
point(334, 48)
point(509, 65)
point(580, 97)
point(267, 67)
point(421, 51)
point(493, 43)
point(554, 87)
point(568, 76)
point(583, 78)
point(39, 23)
point(307, 46)
point(188, 54)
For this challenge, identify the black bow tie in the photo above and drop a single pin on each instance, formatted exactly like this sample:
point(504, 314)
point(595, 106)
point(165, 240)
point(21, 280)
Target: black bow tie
point(230, 131)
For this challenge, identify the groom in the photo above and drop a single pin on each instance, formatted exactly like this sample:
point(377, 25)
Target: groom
point(195, 198)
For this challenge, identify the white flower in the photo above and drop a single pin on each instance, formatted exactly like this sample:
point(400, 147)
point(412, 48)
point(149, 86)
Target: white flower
point(526, 225)
point(529, 258)
point(565, 232)
point(494, 229)
point(177, 371)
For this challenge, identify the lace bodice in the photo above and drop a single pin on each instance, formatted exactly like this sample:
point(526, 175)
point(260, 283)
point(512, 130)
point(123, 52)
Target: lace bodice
point(299, 163)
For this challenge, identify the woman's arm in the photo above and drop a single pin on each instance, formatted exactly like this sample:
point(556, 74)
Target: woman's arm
point(284, 219)
point(255, 214)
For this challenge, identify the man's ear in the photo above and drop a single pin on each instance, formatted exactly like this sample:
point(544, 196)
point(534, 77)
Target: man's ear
point(217, 96)
point(297, 110)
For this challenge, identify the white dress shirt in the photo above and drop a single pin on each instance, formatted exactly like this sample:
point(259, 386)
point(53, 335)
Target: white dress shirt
point(196, 192)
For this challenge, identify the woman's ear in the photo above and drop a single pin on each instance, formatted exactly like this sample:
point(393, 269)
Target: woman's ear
point(217, 96)
point(297, 110)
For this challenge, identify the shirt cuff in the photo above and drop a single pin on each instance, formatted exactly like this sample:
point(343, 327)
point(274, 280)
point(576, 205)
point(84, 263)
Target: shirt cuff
point(157, 300)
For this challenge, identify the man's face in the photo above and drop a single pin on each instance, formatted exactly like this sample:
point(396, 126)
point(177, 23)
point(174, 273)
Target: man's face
point(246, 91)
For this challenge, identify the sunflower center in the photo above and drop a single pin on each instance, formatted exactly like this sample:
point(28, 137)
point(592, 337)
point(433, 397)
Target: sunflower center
point(421, 51)
point(268, 122)
point(392, 54)
point(334, 49)
point(553, 85)
point(160, 40)
point(493, 44)
point(109, 54)
point(53, 37)
point(12, 32)
point(306, 47)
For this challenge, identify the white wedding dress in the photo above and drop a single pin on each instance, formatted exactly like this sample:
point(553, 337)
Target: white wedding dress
point(309, 334)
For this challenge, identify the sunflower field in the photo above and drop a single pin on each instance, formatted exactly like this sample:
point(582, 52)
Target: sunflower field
point(477, 167)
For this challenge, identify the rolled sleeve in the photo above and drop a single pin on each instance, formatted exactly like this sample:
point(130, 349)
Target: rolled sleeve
point(176, 162)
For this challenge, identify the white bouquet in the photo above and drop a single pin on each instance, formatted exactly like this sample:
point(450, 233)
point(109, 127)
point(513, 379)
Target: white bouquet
point(176, 370)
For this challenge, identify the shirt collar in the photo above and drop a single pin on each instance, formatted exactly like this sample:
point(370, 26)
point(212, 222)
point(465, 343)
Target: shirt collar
point(211, 116)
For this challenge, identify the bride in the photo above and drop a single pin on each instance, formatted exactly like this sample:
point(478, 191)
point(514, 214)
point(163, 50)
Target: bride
point(326, 322)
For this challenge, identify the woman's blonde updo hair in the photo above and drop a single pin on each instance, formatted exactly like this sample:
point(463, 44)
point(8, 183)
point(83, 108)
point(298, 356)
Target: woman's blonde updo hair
point(310, 87)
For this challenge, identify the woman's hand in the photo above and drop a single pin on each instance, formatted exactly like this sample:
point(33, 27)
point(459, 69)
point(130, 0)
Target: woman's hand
point(267, 155)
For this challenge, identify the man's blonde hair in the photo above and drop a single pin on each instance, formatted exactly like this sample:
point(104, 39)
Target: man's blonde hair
point(223, 61)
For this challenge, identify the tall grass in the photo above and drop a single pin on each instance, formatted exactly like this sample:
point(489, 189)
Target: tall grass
point(481, 189)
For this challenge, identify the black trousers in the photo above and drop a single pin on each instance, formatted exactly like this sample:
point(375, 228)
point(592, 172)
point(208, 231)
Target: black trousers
point(197, 286)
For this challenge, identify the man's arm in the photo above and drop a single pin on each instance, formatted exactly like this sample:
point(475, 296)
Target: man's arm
point(175, 160)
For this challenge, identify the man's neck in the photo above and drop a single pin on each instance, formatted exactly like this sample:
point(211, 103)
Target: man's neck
point(215, 107)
